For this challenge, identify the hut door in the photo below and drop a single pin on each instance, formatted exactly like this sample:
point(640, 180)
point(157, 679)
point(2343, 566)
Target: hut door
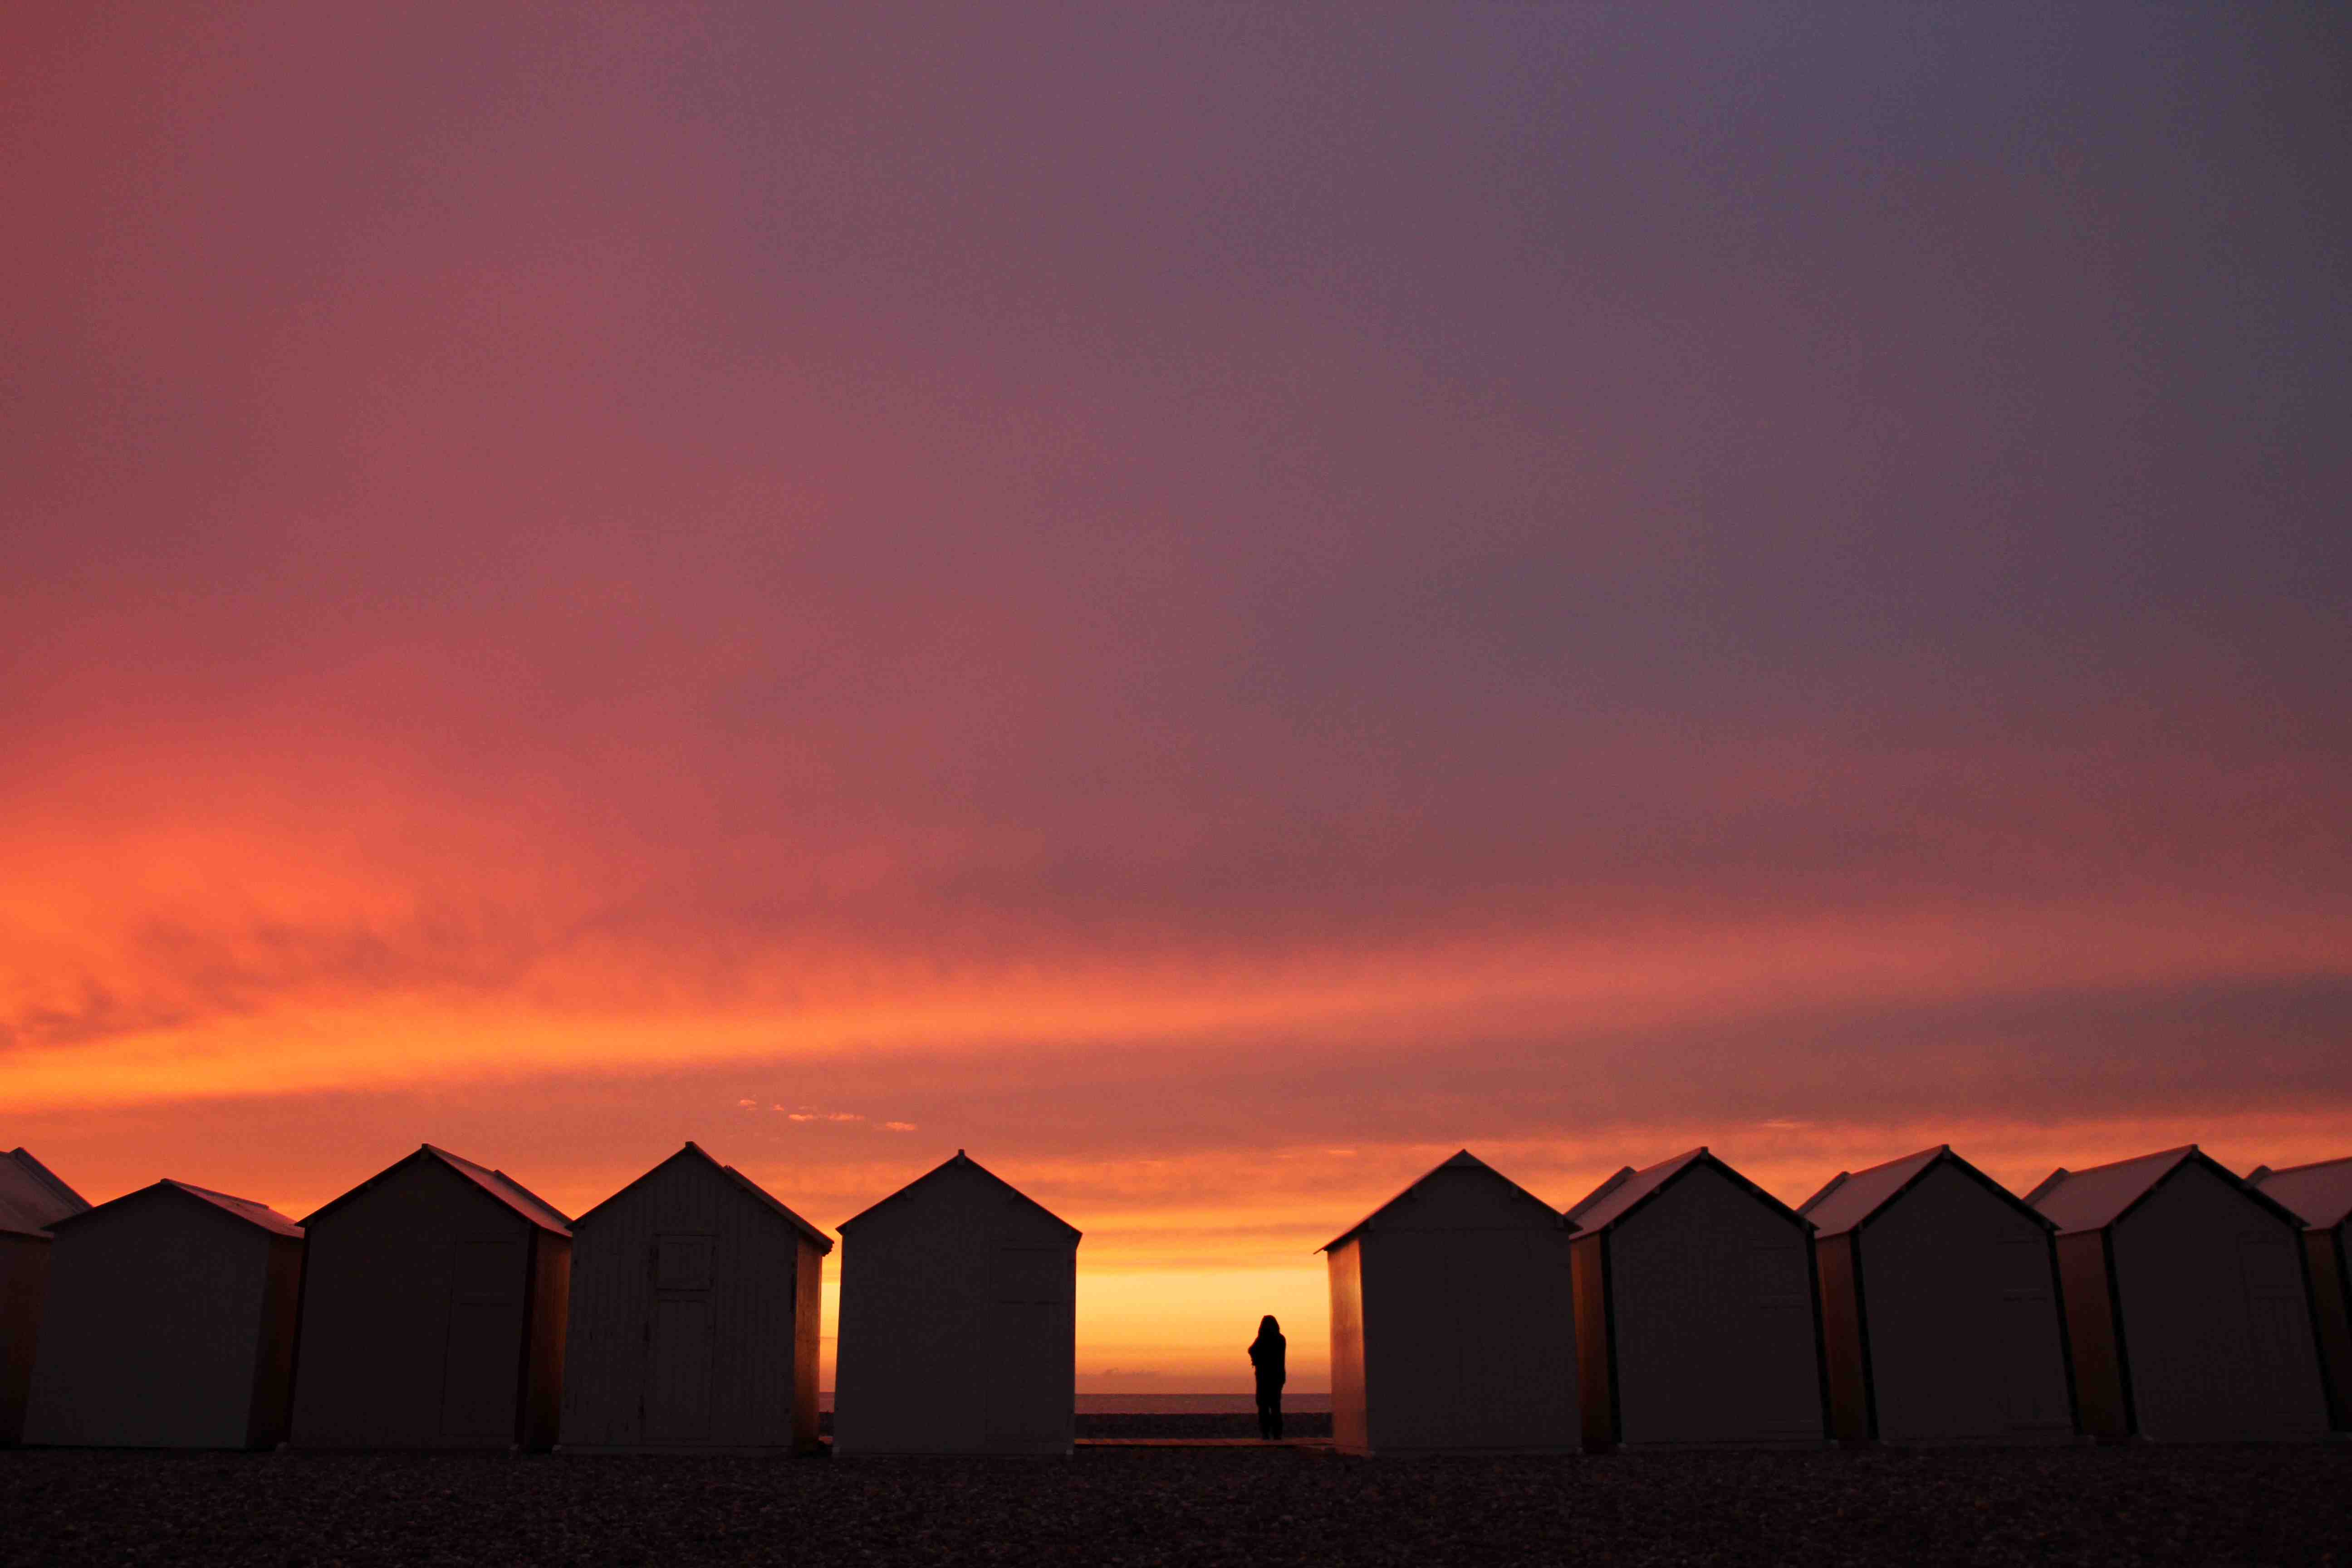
point(2276, 1311)
point(1029, 1349)
point(1783, 1376)
point(2028, 1378)
point(677, 1384)
point(482, 1359)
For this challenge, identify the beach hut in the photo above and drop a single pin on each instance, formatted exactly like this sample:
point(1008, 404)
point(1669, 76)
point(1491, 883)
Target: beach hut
point(2186, 1306)
point(433, 1311)
point(171, 1323)
point(1452, 1324)
point(2321, 1196)
point(694, 1315)
point(32, 1199)
point(1696, 1317)
point(958, 1301)
point(1939, 1307)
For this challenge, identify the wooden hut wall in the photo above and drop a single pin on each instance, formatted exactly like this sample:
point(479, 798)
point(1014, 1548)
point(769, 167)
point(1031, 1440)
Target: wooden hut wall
point(957, 1334)
point(1845, 1348)
point(808, 1342)
point(1469, 1324)
point(2086, 1284)
point(1711, 1302)
point(1959, 1298)
point(1351, 1430)
point(2328, 1263)
point(429, 1309)
point(168, 1324)
point(24, 1286)
point(1596, 1341)
point(2216, 1315)
point(693, 1318)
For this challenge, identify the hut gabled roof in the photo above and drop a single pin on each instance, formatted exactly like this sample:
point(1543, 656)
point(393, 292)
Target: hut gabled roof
point(245, 1211)
point(1853, 1197)
point(962, 1165)
point(1617, 1199)
point(32, 1199)
point(2319, 1193)
point(2103, 1196)
point(766, 1199)
point(1465, 1161)
point(497, 1183)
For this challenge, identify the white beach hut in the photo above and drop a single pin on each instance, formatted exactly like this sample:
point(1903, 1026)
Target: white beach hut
point(959, 1297)
point(2186, 1306)
point(2321, 1196)
point(1696, 1317)
point(693, 1315)
point(32, 1199)
point(1453, 1322)
point(172, 1314)
point(1939, 1307)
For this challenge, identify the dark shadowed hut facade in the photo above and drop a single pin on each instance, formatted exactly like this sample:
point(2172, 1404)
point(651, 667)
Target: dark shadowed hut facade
point(32, 1199)
point(1939, 1307)
point(2320, 1195)
point(959, 1296)
point(1695, 1310)
point(694, 1320)
point(2187, 1310)
point(1452, 1321)
point(433, 1311)
point(172, 1321)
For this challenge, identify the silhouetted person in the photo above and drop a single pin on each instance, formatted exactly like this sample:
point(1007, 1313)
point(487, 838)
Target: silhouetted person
point(1270, 1354)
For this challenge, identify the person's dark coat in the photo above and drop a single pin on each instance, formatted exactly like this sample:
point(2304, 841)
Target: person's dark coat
point(1269, 1354)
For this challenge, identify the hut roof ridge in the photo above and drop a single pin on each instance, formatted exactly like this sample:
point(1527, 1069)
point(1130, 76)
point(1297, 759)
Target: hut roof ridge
point(2102, 1195)
point(1629, 1188)
point(962, 1161)
point(250, 1210)
point(2098, 1195)
point(508, 1191)
point(1853, 1197)
point(495, 1183)
point(1616, 1199)
point(1462, 1161)
point(32, 1197)
point(692, 1149)
point(2320, 1192)
point(245, 1211)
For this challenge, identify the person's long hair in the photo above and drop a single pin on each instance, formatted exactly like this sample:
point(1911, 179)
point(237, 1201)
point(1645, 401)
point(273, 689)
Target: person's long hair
point(1267, 1328)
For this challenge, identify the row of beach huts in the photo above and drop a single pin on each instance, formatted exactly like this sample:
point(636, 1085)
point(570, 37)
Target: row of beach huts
point(441, 1304)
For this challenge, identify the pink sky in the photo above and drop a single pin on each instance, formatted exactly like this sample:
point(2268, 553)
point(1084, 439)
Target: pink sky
point(1211, 605)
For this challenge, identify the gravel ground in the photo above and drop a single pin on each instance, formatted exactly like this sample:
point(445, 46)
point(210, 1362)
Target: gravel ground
point(1142, 1506)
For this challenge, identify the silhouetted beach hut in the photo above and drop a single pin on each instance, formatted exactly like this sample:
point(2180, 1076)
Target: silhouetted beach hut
point(1939, 1306)
point(171, 1316)
point(2321, 1196)
point(1453, 1322)
point(957, 1331)
point(1695, 1319)
point(32, 1199)
point(2186, 1306)
point(694, 1315)
point(433, 1311)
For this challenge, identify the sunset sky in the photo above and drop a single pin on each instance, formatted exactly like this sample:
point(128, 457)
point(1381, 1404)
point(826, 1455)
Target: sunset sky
point(1211, 602)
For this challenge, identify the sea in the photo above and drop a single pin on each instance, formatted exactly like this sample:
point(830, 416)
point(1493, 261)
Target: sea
point(1297, 1401)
